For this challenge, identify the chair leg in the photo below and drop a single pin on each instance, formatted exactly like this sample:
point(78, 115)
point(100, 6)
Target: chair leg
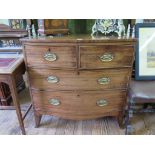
point(129, 128)
point(129, 114)
point(127, 123)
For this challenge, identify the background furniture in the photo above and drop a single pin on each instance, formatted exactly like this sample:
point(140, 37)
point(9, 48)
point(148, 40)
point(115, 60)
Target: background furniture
point(53, 26)
point(9, 38)
point(9, 42)
point(79, 77)
point(16, 23)
point(10, 67)
point(140, 94)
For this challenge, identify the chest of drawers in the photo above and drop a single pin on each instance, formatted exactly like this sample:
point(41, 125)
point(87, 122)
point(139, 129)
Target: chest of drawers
point(77, 77)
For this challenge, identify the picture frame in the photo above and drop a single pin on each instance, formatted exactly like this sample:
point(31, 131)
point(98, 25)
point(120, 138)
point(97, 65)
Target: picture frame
point(145, 51)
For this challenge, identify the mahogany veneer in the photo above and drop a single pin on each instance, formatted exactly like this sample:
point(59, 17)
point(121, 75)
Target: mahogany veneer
point(79, 77)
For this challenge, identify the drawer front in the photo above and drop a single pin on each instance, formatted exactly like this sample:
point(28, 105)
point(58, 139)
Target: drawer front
point(52, 56)
point(85, 80)
point(108, 56)
point(78, 105)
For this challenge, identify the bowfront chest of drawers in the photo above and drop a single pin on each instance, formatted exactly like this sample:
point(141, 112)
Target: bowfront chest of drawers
point(77, 77)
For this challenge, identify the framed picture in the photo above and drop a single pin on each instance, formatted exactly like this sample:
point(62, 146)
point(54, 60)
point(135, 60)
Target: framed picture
point(145, 51)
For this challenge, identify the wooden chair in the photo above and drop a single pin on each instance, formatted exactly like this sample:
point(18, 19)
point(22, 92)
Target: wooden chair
point(140, 93)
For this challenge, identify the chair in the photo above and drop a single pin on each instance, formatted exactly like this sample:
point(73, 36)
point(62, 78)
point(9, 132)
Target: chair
point(140, 93)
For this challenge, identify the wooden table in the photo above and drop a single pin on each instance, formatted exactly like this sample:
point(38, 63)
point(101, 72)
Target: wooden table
point(10, 65)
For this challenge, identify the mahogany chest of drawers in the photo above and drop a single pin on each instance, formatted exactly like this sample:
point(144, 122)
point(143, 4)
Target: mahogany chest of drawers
point(79, 77)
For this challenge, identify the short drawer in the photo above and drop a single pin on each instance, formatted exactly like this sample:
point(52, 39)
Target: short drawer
point(52, 56)
point(107, 56)
point(78, 105)
point(84, 80)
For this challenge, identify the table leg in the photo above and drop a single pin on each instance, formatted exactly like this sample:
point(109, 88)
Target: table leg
point(15, 99)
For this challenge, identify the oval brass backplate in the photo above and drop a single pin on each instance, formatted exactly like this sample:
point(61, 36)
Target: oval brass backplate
point(106, 57)
point(103, 80)
point(52, 79)
point(102, 103)
point(49, 56)
point(54, 102)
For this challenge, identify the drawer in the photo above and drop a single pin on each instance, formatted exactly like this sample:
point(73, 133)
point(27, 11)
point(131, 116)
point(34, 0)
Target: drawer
point(107, 56)
point(78, 105)
point(85, 80)
point(52, 56)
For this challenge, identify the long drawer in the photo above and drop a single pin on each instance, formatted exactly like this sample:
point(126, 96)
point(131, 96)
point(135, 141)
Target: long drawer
point(84, 80)
point(78, 104)
point(52, 56)
point(107, 56)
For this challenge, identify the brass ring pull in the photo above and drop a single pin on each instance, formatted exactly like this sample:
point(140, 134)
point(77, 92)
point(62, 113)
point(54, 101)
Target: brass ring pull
point(49, 56)
point(54, 102)
point(106, 57)
point(103, 80)
point(52, 79)
point(102, 103)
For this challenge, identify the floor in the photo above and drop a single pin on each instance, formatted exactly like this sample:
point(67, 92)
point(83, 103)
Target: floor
point(143, 124)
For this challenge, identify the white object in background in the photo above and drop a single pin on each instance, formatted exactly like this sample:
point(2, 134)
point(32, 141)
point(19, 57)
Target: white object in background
point(29, 31)
point(133, 32)
point(128, 31)
point(107, 26)
point(33, 31)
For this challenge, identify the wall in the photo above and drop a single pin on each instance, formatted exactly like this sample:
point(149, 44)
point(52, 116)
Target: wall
point(77, 26)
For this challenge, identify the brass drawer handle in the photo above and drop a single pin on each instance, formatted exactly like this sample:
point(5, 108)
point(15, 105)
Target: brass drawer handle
point(103, 80)
point(106, 57)
point(54, 101)
point(52, 79)
point(102, 103)
point(49, 56)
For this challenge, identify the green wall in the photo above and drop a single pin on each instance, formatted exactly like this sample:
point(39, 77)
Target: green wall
point(77, 26)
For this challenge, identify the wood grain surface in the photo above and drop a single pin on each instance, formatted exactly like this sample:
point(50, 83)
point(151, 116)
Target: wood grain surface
point(65, 56)
point(84, 80)
point(78, 68)
point(79, 105)
point(90, 56)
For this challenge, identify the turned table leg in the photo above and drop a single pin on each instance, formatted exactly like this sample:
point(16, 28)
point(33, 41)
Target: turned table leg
point(15, 99)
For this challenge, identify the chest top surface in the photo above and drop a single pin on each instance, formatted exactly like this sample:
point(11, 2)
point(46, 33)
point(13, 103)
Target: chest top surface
point(77, 39)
